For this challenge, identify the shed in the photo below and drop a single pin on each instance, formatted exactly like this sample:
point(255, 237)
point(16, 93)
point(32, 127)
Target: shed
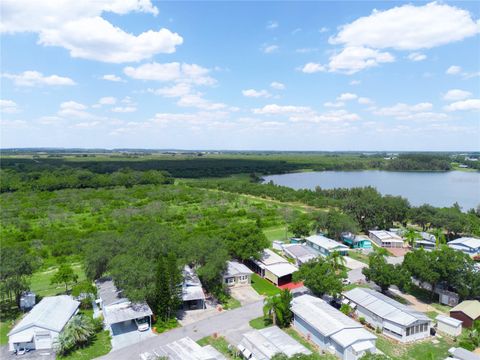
point(448, 325)
point(42, 325)
point(27, 300)
point(467, 311)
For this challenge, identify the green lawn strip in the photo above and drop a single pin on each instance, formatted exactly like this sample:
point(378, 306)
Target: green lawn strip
point(260, 323)
point(432, 314)
point(5, 327)
point(220, 344)
point(231, 304)
point(308, 344)
point(420, 350)
point(98, 347)
point(357, 255)
point(442, 308)
point(40, 281)
point(159, 326)
point(264, 287)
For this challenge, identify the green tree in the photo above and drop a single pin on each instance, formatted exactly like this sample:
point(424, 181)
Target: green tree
point(64, 275)
point(411, 237)
point(300, 226)
point(337, 261)
point(15, 267)
point(379, 271)
point(278, 308)
point(320, 277)
point(245, 240)
point(440, 238)
point(337, 223)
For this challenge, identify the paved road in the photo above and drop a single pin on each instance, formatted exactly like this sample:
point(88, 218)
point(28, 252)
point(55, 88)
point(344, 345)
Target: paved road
point(231, 324)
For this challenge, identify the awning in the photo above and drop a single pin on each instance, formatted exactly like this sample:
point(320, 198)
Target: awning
point(24, 337)
point(362, 346)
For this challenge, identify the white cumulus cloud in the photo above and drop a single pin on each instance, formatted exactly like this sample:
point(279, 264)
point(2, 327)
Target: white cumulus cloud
point(355, 58)
point(453, 70)
point(191, 73)
point(311, 67)
point(112, 77)
point(277, 85)
point(415, 56)
point(274, 109)
point(256, 93)
point(470, 104)
point(347, 97)
point(456, 94)
point(34, 78)
point(8, 106)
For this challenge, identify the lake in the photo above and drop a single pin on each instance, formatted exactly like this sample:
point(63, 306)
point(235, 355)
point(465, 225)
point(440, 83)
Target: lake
point(435, 188)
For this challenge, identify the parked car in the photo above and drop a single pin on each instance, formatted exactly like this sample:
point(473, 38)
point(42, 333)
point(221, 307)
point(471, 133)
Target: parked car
point(346, 282)
point(142, 324)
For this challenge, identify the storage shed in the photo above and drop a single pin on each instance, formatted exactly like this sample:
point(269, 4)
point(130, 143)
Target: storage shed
point(448, 325)
point(467, 311)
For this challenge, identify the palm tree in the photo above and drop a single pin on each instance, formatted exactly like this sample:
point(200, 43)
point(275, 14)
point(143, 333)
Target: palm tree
point(440, 238)
point(278, 308)
point(337, 260)
point(411, 236)
point(78, 331)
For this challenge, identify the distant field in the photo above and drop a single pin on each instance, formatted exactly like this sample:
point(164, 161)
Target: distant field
point(40, 281)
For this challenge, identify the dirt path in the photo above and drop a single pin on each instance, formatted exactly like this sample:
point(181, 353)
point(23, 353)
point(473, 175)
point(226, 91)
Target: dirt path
point(415, 303)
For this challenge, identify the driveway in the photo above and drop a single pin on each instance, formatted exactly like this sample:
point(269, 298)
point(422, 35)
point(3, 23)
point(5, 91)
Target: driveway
point(356, 276)
point(32, 355)
point(231, 324)
point(245, 294)
point(353, 264)
point(126, 333)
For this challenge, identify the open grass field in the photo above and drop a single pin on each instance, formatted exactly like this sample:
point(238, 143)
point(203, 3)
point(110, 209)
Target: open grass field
point(40, 281)
point(264, 287)
point(277, 233)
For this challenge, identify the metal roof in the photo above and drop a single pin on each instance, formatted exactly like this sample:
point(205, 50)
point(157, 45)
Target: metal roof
point(283, 269)
point(324, 318)
point(187, 349)
point(470, 308)
point(326, 243)
point(191, 287)
point(463, 354)
point(470, 242)
point(124, 311)
point(269, 257)
point(386, 235)
point(448, 320)
point(300, 252)
point(234, 268)
point(265, 343)
point(52, 313)
point(385, 307)
point(108, 292)
point(347, 337)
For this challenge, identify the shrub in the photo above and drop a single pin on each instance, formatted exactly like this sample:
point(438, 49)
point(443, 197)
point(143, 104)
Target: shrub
point(362, 320)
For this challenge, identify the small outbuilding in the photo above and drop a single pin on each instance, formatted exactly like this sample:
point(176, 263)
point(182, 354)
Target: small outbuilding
point(265, 343)
point(237, 274)
point(39, 329)
point(185, 349)
point(467, 311)
point(448, 325)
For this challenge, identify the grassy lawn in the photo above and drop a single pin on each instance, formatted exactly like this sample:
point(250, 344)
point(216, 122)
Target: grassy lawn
point(218, 343)
point(5, 327)
point(357, 255)
point(432, 314)
point(260, 323)
point(98, 347)
point(264, 287)
point(162, 326)
point(231, 304)
point(9, 313)
point(40, 281)
point(421, 350)
point(442, 308)
point(276, 233)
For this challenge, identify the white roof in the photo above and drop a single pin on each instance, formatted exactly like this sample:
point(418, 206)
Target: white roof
point(234, 268)
point(324, 318)
point(463, 354)
point(280, 270)
point(265, 343)
point(187, 349)
point(269, 257)
point(300, 252)
point(470, 242)
point(448, 320)
point(362, 345)
point(52, 313)
point(326, 243)
point(386, 235)
point(124, 311)
point(191, 287)
point(385, 307)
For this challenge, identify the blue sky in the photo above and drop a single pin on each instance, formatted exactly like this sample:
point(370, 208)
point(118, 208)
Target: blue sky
point(241, 75)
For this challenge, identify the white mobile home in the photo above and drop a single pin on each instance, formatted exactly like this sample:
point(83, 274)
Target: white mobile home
point(448, 325)
point(387, 239)
point(393, 318)
point(467, 245)
point(330, 329)
point(237, 274)
point(299, 252)
point(265, 343)
point(42, 325)
point(326, 246)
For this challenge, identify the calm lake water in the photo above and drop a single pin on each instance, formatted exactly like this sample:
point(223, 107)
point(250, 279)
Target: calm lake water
point(434, 188)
